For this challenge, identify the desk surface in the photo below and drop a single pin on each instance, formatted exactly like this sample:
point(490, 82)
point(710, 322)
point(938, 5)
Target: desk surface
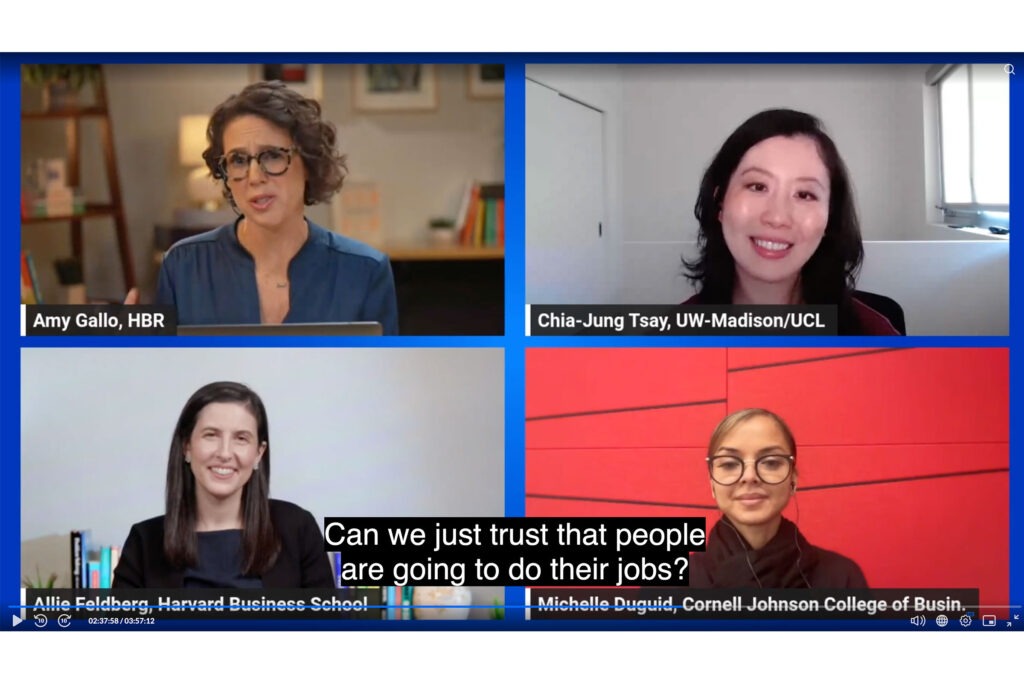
point(412, 251)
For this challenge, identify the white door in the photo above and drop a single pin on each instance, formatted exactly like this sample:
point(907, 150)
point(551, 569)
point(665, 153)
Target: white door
point(565, 224)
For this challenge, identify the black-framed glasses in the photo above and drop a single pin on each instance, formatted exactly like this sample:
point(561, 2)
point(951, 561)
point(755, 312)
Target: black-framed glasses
point(728, 469)
point(272, 161)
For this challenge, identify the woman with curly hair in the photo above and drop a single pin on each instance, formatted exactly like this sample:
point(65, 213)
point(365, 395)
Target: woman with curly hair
point(275, 155)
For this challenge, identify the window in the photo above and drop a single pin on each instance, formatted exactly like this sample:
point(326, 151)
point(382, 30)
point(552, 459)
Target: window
point(974, 143)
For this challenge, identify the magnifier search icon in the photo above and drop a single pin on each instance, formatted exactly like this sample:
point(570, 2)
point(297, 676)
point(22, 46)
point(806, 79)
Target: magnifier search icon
point(1008, 69)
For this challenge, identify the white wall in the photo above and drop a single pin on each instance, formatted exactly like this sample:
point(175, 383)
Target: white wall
point(677, 116)
point(421, 160)
point(600, 87)
point(354, 432)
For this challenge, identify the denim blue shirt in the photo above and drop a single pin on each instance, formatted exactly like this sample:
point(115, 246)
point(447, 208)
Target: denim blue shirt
point(211, 280)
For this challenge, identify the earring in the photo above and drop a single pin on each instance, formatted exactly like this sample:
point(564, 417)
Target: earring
point(256, 466)
point(188, 459)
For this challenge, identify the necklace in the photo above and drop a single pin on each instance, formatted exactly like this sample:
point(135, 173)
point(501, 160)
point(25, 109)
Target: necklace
point(269, 279)
point(266, 277)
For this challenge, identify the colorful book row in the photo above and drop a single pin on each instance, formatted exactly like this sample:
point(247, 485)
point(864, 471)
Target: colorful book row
point(481, 219)
point(397, 600)
point(92, 567)
point(29, 280)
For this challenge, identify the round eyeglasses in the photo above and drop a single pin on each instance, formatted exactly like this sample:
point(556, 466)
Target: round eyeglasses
point(728, 469)
point(273, 161)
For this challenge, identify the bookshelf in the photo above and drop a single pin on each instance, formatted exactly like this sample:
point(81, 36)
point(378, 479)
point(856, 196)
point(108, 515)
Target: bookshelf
point(114, 209)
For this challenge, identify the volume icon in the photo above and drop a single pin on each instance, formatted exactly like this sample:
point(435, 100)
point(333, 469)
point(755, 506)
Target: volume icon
point(919, 620)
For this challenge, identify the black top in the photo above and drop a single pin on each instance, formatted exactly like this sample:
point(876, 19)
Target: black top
point(302, 562)
point(220, 562)
point(787, 561)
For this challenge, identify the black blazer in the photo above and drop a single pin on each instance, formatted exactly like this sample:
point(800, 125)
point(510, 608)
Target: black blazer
point(302, 562)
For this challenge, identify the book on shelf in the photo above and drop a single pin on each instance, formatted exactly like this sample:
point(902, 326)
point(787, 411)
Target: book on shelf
point(105, 567)
point(86, 541)
point(392, 612)
point(481, 219)
point(29, 280)
point(501, 220)
point(407, 602)
point(335, 557)
point(467, 198)
point(77, 562)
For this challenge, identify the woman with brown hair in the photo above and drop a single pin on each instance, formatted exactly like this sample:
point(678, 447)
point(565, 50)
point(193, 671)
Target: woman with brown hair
point(221, 529)
point(275, 155)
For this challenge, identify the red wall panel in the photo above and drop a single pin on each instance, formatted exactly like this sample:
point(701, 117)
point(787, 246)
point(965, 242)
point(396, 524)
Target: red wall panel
point(548, 507)
point(579, 380)
point(745, 358)
point(924, 417)
point(686, 426)
point(931, 533)
point(664, 475)
point(827, 465)
point(912, 396)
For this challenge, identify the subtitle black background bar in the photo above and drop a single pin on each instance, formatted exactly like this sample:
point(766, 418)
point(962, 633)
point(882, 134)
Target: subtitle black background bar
point(516, 551)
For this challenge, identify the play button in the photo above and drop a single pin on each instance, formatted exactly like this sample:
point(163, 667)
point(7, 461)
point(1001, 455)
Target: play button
point(15, 620)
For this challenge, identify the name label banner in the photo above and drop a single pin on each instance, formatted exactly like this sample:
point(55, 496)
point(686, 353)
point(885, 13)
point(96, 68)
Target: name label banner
point(689, 320)
point(108, 320)
point(754, 603)
point(136, 606)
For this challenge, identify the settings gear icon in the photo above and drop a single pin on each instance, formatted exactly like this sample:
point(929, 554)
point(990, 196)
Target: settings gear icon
point(965, 620)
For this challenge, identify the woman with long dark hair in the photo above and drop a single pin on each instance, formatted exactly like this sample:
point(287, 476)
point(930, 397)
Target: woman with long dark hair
point(778, 223)
point(220, 527)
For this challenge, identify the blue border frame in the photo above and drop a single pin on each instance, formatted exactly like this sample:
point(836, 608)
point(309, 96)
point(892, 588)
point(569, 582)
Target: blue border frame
point(513, 342)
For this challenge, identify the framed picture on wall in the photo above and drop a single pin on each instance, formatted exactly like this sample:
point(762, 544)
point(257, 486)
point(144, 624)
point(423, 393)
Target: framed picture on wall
point(306, 79)
point(486, 81)
point(356, 211)
point(394, 87)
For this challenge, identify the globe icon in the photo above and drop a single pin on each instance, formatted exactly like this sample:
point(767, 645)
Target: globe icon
point(942, 620)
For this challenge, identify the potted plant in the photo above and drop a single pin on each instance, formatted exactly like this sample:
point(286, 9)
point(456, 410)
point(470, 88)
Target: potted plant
point(39, 582)
point(61, 83)
point(442, 230)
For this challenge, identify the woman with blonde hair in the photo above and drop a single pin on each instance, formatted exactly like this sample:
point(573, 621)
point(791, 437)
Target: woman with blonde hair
point(752, 467)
